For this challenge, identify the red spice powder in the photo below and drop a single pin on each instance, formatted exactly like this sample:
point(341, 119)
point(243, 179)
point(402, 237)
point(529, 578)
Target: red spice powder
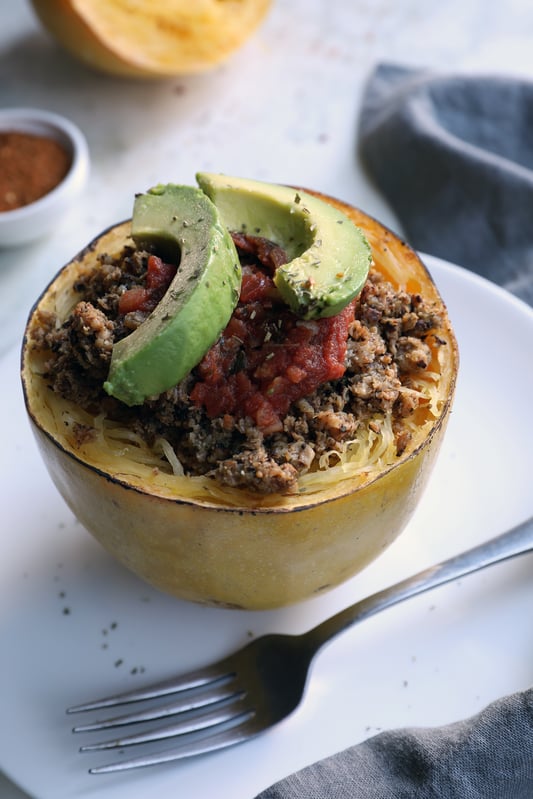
point(30, 167)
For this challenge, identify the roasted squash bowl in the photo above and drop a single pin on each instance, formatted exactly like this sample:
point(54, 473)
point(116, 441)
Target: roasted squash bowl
point(232, 548)
point(148, 39)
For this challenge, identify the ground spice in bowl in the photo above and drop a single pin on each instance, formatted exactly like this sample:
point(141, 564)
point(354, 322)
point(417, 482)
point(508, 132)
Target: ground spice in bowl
point(30, 167)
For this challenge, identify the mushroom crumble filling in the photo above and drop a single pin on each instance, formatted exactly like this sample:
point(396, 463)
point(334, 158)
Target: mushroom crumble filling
point(275, 394)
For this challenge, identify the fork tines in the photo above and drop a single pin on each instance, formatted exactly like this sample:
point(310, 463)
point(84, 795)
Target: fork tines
point(216, 673)
point(207, 708)
point(240, 729)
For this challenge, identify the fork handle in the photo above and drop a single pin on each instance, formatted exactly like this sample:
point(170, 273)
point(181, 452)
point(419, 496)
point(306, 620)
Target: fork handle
point(516, 541)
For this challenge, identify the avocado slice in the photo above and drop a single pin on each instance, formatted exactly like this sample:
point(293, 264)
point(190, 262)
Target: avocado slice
point(329, 256)
point(180, 224)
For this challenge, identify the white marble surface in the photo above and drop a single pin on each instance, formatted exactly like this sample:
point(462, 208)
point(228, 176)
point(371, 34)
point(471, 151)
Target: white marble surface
point(284, 108)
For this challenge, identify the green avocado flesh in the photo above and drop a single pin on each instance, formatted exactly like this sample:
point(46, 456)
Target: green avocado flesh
point(329, 256)
point(181, 225)
point(328, 263)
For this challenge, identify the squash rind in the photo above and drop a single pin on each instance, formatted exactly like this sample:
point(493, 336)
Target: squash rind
point(151, 40)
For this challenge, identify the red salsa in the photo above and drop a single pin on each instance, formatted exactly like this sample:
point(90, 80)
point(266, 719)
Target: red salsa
point(267, 357)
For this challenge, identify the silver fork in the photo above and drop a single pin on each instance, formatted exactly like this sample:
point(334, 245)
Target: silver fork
point(248, 692)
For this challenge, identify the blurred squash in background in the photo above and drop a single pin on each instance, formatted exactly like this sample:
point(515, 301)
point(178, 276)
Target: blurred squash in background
point(144, 38)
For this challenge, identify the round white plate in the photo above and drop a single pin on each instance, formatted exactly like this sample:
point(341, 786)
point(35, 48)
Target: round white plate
point(74, 625)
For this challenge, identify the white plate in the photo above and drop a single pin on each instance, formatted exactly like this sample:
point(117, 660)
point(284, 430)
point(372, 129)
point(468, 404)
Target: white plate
point(74, 625)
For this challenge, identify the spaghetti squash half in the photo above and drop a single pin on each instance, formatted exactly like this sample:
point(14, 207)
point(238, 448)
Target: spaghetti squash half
point(211, 539)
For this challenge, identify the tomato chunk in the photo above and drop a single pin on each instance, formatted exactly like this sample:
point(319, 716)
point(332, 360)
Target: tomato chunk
point(158, 278)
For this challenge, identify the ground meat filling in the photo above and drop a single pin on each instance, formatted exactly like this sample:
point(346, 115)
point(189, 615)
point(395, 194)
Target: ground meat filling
point(274, 393)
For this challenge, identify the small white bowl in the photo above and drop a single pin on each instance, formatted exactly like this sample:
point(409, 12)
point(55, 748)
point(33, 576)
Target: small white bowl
point(30, 222)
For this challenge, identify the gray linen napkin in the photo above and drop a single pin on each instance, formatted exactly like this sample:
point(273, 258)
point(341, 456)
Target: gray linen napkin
point(489, 756)
point(453, 155)
point(454, 158)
